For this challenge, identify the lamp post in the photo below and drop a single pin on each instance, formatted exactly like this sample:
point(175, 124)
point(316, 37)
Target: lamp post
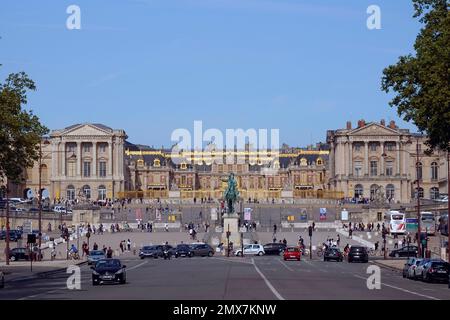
point(40, 198)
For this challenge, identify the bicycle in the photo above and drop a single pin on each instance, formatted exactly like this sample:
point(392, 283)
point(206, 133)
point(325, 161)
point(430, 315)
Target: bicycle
point(74, 255)
point(320, 252)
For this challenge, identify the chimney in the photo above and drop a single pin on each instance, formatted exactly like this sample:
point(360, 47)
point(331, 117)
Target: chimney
point(349, 125)
point(383, 122)
point(361, 123)
point(392, 124)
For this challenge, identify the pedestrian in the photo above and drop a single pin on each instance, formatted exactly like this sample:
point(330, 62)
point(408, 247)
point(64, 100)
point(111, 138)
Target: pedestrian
point(338, 240)
point(314, 226)
point(285, 241)
point(129, 245)
point(166, 227)
point(109, 253)
point(104, 249)
point(121, 246)
point(350, 232)
point(95, 246)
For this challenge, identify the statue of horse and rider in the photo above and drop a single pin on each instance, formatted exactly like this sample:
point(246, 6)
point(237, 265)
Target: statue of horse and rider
point(231, 194)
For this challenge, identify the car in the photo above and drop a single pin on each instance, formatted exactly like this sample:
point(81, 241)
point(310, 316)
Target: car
point(411, 265)
point(406, 251)
point(19, 254)
point(183, 250)
point(2, 280)
point(274, 248)
point(202, 249)
point(251, 249)
point(292, 253)
point(151, 252)
point(94, 256)
point(435, 271)
point(443, 199)
point(14, 235)
point(358, 253)
point(108, 270)
point(333, 254)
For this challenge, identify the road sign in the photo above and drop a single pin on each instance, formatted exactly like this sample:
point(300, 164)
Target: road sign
point(27, 226)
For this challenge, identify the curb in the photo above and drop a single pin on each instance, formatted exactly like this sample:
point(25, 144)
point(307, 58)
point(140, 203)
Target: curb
point(387, 267)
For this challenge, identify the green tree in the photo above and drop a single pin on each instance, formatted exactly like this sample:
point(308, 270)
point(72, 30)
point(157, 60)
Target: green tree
point(421, 81)
point(20, 130)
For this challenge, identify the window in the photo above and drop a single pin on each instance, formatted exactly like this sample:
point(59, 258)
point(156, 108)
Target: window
point(419, 170)
point(434, 193)
point(102, 193)
point(140, 162)
point(102, 169)
point(390, 146)
point(389, 168)
point(358, 168)
point(373, 191)
point(71, 148)
point(102, 147)
point(373, 147)
point(357, 147)
point(373, 168)
point(434, 171)
point(156, 163)
point(420, 192)
point(390, 192)
point(87, 191)
point(86, 147)
point(86, 169)
point(183, 166)
point(71, 169)
point(319, 162)
point(70, 193)
point(359, 191)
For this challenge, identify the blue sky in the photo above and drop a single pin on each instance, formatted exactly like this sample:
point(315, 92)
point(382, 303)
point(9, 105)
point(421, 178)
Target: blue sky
point(151, 66)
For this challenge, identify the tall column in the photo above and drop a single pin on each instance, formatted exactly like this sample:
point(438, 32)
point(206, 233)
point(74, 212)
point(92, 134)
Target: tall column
point(366, 157)
point(63, 159)
point(54, 155)
point(332, 168)
point(382, 158)
point(350, 158)
point(405, 161)
point(110, 146)
point(346, 160)
point(79, 159)
point(398, 158)
point(94, 159)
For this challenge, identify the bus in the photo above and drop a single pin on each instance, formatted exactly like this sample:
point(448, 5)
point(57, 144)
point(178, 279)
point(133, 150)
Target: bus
point(396, 221)
point(443, 224)
point(427, 223)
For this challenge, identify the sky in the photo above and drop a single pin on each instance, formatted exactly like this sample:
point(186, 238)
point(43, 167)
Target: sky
point(152, 66)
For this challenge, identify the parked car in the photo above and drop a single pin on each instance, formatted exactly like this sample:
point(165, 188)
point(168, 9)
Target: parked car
point(14, 235)
point(19, 254)
point(274, 248)
point(95, 255)
point(435, 271)
point(251, 249)
point(202, 249)
point(419, 268)
point(183, 250)
point(333, 254)
point(409, 269)
point(292, 253)
point(150, 252)
point(406, 251)
point(358, 253)
point(108, 270)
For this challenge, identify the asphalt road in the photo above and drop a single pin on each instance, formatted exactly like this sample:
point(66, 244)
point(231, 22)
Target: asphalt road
point(221, 278)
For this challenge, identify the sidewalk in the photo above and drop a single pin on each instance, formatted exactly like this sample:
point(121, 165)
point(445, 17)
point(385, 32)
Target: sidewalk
point(394, 265)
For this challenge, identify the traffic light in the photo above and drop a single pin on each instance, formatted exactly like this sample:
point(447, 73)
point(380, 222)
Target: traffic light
point(228, 234)
point(31, 238)
point(310, 231)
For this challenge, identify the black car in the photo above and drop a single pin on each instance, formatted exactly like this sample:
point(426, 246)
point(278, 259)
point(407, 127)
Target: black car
point(14, 235)
point(406, 251)
point(183, 250)
point(108, 270)
point(435, 271)
point(19, 254)
point(151, 252)
point(358, 253)
point(202, 249)
point(333, 254)
point(274, 248)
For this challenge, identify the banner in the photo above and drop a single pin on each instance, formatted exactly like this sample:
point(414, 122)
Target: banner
point(213, 214)
point(247, 214)
point(303, 215)
point(344, 215)
point(323, 214)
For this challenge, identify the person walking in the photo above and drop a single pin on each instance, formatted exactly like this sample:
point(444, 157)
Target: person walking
point(166, 227)
point(129, 245)
point(338, 240)
point(109, 253)
point(121, 246)
point(95, 246)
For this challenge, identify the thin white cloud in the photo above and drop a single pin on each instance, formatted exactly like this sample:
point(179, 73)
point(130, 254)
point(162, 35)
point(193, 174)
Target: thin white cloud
point(103, 79)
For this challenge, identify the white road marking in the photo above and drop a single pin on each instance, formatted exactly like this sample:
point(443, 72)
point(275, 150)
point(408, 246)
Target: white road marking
point(274, 291)
point(137, 266)
point(285, 265)
point(401, 289)
point(231, 260)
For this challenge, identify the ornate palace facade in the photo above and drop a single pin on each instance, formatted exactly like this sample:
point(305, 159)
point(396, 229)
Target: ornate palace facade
point(96, 162)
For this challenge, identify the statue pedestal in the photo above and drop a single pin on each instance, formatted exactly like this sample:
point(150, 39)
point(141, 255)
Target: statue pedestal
point(231, 223)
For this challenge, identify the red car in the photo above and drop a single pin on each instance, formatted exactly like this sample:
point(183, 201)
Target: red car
point(292, 253)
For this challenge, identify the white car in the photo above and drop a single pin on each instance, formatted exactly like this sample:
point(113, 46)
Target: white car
point(443, 199)
point(251, 249)
point(412, 269)
point(59, 209)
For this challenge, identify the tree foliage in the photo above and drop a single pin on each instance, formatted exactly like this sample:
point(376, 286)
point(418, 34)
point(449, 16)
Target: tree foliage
point(421, 81)
point(20, 130)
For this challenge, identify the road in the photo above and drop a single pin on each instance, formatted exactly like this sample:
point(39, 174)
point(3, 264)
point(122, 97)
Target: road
point(221, 278)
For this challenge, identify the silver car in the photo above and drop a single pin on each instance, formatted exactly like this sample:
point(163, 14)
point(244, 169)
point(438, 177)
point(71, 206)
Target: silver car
point(414, 263)
point(95, 255)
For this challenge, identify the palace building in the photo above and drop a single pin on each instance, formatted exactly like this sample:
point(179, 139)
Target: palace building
point(97, 162)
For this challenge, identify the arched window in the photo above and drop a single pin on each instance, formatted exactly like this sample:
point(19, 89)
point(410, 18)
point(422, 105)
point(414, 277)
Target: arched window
point(183, 166)
point(156, 163)
point(303, 162)
point(140, 162)
point(373, 191)
point(359, 191)
point(87, 191)
point(434, 193)
point(319, 161)
point(419, 170)
point(390, 191)
point(434, 171)
point(70, 192)
point(102, 192)
point(276, 164)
